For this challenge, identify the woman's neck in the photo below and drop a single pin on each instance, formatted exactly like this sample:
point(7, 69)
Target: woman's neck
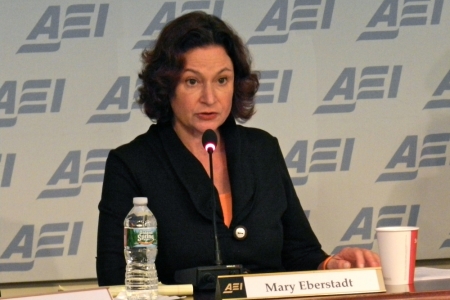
point(193, 142)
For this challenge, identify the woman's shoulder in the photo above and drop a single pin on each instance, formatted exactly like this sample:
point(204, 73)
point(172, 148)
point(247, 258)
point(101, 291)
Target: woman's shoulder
point(257, 141)
point(255, 135)
point(139, 144)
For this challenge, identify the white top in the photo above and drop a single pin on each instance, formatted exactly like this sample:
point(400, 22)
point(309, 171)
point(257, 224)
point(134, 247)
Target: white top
point(140, 200)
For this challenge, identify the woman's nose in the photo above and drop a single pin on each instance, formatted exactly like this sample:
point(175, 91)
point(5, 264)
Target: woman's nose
point(208, 95)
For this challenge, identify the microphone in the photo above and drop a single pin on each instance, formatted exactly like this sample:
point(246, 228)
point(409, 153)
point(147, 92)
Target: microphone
point(205, 278)
point(209, 141)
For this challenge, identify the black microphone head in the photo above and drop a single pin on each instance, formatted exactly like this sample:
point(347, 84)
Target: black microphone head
point(209, 140)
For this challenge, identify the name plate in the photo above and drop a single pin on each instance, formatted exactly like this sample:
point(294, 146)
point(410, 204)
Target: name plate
point(295, 284)
point(91, 294)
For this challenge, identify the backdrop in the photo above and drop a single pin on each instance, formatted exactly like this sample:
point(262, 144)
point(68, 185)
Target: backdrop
point(357, 92)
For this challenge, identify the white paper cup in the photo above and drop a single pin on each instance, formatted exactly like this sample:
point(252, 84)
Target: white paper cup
point(400, 288)
point(397, 248)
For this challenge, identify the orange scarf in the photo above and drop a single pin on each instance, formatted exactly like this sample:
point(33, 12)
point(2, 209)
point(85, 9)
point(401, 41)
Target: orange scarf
point(227, 208)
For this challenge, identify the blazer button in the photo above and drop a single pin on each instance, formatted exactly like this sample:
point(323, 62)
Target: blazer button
point(240, 233)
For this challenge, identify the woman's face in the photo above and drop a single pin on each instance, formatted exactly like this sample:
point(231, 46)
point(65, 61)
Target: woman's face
point(203, 96)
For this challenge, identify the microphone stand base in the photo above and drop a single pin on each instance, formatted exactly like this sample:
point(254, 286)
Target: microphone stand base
point(204, 278)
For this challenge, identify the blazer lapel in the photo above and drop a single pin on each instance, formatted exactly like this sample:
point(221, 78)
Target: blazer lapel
point(242, 179)
point(196, 181)
point(189, 171)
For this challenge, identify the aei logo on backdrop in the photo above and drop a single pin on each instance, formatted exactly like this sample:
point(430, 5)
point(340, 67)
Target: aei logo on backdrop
point(302, 15)
point(69, 170)
point(36, 96)
point(8, 167)
point(80, 21)
point(54, 240)
point(328, 155)
point(374, 82)
point(442, 87)
point(116, 106)
point(168, 12)
point(445, 244)
point(269, 81)
point(362, 229)
point(118, 97)
point(393, 14)
point(405, 162)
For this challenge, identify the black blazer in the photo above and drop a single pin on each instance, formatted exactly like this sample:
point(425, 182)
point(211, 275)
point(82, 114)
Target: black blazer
point(158, 166)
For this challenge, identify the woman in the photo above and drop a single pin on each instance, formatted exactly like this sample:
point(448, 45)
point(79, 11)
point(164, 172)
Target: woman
point(196, 78)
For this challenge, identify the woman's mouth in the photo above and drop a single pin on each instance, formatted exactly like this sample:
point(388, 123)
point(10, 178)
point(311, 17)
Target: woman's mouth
point(206, 116)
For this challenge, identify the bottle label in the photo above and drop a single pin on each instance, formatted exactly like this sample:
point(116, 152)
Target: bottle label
point(142, 237)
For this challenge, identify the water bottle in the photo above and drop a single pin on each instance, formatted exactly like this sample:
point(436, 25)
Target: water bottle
point(141, 247)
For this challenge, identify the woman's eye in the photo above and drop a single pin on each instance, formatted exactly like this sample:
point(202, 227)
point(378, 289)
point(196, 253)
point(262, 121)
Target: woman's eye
point(191, 81)
point(223, 80)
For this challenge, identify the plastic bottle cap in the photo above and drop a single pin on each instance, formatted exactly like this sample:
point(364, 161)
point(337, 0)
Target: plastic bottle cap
point(140, 200)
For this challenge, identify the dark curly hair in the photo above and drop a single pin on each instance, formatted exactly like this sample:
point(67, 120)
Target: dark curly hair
point(162, 65)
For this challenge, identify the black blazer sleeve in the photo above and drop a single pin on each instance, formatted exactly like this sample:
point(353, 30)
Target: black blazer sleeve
point(118, 187)
point(301, 248)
